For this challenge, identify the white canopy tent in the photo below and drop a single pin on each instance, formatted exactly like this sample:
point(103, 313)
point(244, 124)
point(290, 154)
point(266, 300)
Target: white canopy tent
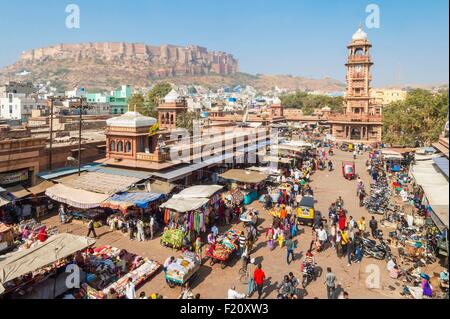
point(57, 247)
point(435, 186)
point(183, 205)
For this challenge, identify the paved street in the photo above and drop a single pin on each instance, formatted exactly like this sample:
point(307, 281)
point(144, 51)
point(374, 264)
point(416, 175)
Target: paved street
point(213, 282)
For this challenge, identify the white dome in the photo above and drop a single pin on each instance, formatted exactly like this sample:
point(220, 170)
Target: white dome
point(131, 119)
point(173, 96)
point(276, 101)
point(359, 35)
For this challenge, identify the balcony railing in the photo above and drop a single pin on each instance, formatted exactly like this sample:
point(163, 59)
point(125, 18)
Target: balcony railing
point(355, 118)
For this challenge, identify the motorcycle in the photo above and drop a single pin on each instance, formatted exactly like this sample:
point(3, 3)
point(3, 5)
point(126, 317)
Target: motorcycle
point(309, 275)
point(372, 250)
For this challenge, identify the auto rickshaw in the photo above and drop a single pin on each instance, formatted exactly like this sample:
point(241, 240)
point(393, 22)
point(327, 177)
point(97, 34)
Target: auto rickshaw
point(351, 147)
point(348, 170)
point(305, 211)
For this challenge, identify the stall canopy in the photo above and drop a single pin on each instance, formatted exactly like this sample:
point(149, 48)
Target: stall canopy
point(161, 187)
point(103, 183)
point(126, 200)
point(18, 191)
point(184, 205)
point(435, 186)
point(200, 191)
point(244, 176)
point(40, 188)
point(44, 254)
point(3, 201)
point(75, 197)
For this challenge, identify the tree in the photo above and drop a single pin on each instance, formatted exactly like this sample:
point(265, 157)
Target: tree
point(186, 121)
point(308, 102)
point(419, 119)
point(136, 103)
point(153, 98)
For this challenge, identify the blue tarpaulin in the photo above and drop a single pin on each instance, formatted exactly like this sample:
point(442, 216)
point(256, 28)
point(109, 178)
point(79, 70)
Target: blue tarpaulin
point(126, 200)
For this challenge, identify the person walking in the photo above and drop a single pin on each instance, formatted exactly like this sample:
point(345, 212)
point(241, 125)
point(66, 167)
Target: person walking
point(152, 227)
point(242, 241)
point(322, 236)
point(350, 251)
point(290, 246)
point(373, 224)
point(330, 281)
point(91, 229)
point(259, 276)
point(140, 230)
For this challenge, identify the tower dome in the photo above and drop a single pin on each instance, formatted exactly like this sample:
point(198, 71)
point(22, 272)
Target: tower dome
point(359, 35)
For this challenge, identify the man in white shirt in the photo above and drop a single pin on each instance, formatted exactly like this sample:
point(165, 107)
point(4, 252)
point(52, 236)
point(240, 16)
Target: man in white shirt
point(233, 294)
point(130, 289)
point(152, 225)
point(322, 236)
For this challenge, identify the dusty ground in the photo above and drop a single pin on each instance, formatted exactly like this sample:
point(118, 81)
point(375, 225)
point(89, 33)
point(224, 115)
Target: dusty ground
point(213, 282)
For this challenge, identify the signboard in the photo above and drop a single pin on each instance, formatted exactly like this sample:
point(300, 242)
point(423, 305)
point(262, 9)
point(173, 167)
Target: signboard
point(13, 177)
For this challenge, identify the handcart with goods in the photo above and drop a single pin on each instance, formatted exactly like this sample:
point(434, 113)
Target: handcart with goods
point(182, 270)
point(172, 238)
point(221, 251)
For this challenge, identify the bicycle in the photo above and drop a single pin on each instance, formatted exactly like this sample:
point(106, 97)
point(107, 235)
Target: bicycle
point(243, 275)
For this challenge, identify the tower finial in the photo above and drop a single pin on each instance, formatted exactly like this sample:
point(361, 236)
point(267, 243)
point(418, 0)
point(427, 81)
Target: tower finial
point(360, 25)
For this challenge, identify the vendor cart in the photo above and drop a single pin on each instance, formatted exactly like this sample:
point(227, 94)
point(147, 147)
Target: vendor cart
point(222, 251)
point(183, 270)
point(348, 170)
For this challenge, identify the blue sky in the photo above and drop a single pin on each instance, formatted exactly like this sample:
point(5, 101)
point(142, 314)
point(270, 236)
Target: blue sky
point(297, 37)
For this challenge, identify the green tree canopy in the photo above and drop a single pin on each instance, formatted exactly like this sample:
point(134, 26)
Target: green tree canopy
point(136, 102)
point(418, 120)
point(308, 102)
point(186, 121)
point(153, 98)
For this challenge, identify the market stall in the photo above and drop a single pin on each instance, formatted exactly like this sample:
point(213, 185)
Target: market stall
point(22, 269)
point(190, 210)
point(248, 182)
point(6, 238)
point(182, 269)
point(109, 268)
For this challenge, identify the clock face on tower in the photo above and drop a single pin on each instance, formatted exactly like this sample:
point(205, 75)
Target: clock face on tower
point(358, 68)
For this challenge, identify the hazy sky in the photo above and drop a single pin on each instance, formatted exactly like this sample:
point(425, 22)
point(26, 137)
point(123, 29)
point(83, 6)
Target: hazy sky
point(297, 37)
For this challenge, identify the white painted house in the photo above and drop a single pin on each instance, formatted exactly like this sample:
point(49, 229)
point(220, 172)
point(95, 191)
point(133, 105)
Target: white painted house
point(15, 106)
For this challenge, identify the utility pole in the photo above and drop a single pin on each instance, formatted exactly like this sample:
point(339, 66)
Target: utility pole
point(79, 136)
point(50, 159)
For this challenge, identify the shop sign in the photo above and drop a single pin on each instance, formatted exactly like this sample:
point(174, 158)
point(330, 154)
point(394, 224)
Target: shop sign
point(14, 177)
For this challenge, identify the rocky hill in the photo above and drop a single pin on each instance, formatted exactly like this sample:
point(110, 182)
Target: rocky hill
point(105, 66)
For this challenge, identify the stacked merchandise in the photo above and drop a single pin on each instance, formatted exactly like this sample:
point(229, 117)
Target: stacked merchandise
point(225, 246)
point(236, 195)
point(6, 237)
point(183, 268)
point(173, 238)
point(110, 267)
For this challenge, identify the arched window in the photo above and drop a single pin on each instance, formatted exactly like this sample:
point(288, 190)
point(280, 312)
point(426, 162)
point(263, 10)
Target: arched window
point(359, 52)
point(127, 147)
point(112, 146)
point(120, 147)
point(171, 119)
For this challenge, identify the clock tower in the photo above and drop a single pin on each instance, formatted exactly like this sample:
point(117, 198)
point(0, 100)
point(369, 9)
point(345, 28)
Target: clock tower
point(361, 118)
point(358, 74)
